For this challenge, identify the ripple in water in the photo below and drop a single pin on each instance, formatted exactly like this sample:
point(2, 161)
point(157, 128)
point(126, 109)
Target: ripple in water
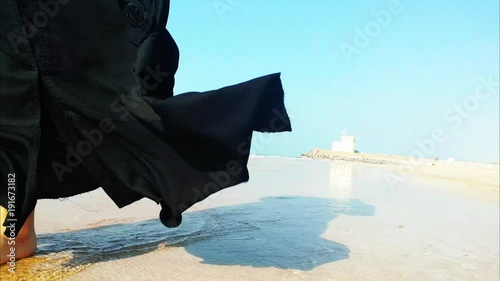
point(282, 232)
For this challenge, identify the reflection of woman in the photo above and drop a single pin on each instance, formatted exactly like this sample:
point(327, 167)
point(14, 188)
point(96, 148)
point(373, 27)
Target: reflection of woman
point(87, 101)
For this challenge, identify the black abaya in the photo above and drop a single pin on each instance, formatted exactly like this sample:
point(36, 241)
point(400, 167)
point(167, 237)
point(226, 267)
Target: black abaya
point(86, 101)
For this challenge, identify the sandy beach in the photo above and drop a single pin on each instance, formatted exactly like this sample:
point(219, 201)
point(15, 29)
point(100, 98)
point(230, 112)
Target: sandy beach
point(297, 219)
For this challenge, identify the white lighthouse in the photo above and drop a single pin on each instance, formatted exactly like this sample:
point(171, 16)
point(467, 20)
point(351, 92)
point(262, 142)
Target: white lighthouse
point(346, 143)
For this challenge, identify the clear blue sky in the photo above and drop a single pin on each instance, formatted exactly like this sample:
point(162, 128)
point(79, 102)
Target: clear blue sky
point(394, 92)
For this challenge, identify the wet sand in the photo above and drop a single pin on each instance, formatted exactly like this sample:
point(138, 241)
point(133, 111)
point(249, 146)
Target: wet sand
point(298, 219)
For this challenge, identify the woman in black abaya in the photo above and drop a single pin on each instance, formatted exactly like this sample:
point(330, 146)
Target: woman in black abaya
point(86, 101)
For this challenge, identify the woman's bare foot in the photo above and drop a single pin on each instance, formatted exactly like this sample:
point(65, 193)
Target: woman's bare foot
point(24, 244)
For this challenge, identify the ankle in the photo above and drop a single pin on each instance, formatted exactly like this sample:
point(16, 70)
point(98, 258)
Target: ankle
point(27, 231)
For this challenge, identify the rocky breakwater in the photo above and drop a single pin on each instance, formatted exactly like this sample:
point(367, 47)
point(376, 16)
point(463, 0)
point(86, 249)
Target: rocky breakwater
point(354, 157)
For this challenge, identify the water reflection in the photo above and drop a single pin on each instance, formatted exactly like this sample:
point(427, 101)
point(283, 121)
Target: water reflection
point(341, 179)
point(282, 232)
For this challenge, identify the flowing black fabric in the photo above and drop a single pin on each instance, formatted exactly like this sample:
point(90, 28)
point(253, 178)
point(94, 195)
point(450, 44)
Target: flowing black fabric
point(87, 101)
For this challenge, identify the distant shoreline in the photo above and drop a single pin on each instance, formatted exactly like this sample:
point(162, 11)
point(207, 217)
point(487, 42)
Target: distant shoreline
point(383, 159)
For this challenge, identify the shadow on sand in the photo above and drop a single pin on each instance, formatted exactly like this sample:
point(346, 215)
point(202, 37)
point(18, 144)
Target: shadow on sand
point(282, 232)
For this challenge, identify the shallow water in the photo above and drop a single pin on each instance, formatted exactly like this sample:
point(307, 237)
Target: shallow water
point(292, 216)
point(282, 232)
